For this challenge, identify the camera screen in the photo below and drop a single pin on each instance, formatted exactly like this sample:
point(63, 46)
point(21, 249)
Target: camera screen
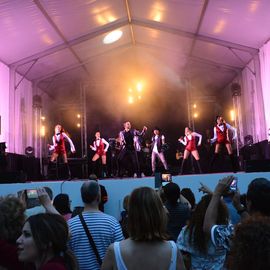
point(32, 194)
point(233, 185)
point(167, 177)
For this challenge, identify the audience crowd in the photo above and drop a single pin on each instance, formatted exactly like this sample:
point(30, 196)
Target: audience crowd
point(158, 229)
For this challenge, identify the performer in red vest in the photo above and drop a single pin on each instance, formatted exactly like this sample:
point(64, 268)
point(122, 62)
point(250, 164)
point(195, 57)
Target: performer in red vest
point(101, 146)
point(59, 147)
point(221, 137)
point(190, 142)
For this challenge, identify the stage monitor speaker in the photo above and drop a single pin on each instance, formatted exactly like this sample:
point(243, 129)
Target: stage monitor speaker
point(257, 165)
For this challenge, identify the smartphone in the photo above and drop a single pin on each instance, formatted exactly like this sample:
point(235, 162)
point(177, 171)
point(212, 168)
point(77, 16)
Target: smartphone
point(233, 186)
point(31, 194)
point(166, 177)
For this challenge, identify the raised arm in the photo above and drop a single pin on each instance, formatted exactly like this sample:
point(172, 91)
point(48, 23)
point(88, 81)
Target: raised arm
point(183, 141)
point(72, 147)
point(211, 214)
point(199, 136)
point(106, 144)
point(140, 133)
point(215, 135)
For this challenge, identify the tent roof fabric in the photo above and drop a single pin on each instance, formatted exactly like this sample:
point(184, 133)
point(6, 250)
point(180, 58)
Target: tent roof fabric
point(57, 40)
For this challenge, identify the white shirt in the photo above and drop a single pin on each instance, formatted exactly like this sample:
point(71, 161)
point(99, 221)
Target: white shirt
point(155, 143)
point(222, 129)
point(97, 143)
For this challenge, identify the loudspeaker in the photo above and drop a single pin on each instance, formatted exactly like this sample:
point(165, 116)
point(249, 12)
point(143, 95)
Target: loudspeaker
point(257, 165)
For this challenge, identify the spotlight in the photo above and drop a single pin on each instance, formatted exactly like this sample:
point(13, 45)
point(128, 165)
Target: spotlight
point(195, 115)
point(78, 115)
point(232, 114)
point(112, 37)
point(78, 125)
point(194, 106)
point(139, 86)
point(42, 131)
point(130, 99)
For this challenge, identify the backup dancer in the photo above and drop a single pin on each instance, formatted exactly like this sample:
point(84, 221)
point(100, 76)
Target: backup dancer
point(101, 146)
point(59, 147)
point(221, 137)
point(190, 142)
point(158, 142)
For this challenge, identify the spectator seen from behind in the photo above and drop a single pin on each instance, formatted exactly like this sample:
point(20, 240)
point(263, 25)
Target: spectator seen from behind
point(104, 229)
point(146, 248)
point(196, 244)
point(251, 245)
point(178, 210)
point(258, 204)
point(61, 203)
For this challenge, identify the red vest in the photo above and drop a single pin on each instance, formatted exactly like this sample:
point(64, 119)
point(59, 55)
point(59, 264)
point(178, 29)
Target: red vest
point(191, 144)
point(100, 149)
point(222, 135)
point(60, 145)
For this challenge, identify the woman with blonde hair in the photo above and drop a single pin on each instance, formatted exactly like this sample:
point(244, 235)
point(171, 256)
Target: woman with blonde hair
point(147, 247)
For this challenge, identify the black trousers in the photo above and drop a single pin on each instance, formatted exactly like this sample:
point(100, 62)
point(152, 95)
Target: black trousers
point(124, 153)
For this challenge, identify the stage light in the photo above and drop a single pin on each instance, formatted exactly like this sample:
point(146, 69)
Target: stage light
point(194, 106)
point(78, 125)
point(42, 118)
point(78, 116)
point(232, 114)
point(42, 131)
point(195, 115)
point(139, 86)
point(130, 99)
point(112, 37)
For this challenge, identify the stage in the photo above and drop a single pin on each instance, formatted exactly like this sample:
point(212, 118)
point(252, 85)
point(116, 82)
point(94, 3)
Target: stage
point(118, 188)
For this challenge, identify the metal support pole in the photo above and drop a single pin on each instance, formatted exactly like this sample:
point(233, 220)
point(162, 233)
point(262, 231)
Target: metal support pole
point(84, 130)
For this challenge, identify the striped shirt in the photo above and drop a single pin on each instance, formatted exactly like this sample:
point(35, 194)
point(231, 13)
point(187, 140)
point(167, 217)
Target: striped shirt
point(104, 229)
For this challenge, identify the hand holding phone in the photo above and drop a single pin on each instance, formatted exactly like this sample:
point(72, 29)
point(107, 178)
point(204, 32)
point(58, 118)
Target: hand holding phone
point(233, 186)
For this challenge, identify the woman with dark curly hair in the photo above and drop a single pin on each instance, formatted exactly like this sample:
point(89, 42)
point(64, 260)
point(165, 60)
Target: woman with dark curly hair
point(12, 217)
point(43, 243)
point(147, 247)
point(251, 245)
point(196, 244)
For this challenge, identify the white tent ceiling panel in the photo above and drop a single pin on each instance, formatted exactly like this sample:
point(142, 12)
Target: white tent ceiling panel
point(245, 22)
point(220, 54)
point(162, 39)
point(49, 64)
point(96, 46)
point(183, 14)
point(24, 31)
point(77, 18)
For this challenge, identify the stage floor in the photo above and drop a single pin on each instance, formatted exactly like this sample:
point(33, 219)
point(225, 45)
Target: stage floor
point(118, 188)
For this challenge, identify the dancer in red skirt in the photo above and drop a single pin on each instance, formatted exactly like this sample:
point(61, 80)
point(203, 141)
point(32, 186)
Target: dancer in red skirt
point(190, 142)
